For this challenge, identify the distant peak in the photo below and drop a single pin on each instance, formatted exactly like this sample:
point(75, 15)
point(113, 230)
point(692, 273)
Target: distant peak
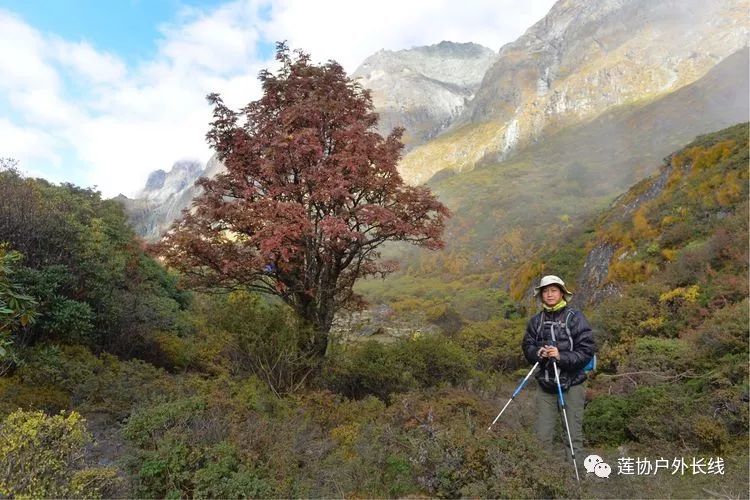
point(155, 180)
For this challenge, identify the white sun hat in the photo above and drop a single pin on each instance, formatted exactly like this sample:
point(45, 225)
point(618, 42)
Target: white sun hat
point(553, 280)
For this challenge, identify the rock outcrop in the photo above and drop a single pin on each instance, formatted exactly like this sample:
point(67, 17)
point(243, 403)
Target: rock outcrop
point(423, 89)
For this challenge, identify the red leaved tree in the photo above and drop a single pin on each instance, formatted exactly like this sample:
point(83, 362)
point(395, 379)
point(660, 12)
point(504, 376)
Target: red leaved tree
point(310, 193)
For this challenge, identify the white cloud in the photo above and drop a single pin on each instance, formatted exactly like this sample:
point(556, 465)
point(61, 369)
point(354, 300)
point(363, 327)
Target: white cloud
point(81, 57)
point(21, 48)
point(134, 119)
point(349, 31)
point(28, 145)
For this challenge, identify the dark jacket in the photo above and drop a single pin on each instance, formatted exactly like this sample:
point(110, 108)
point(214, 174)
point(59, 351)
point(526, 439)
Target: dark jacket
point(575, 352)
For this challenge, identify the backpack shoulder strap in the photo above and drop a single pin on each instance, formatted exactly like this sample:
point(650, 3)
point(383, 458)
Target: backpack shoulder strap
point(539, 323)
point(570, 313)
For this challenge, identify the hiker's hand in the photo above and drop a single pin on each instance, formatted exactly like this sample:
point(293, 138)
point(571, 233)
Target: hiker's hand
point(552, 352)
point(541, 353)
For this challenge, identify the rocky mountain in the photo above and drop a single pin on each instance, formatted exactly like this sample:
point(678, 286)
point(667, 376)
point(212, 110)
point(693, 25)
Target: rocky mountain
point(424, 89)
point(580, 60)
point(161, 185)
point(594, 91)
point(164, 197)
point(505, 211)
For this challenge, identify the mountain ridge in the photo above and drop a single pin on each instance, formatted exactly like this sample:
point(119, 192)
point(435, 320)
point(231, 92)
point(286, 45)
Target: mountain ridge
point(567, 68)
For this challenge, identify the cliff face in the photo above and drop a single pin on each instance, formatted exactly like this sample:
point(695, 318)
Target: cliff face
point(161, 185)
point(423, 89)
point(165, 196)
point(580, 60)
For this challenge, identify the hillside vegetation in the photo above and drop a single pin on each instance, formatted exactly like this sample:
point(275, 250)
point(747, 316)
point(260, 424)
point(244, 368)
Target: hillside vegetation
point(505, 212)
point(207, 395)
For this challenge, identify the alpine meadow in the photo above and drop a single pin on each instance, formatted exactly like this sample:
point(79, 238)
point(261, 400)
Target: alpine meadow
point(334, 305)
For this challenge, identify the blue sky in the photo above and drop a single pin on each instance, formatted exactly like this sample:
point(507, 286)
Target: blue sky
point(101, 93)
point(129, 28)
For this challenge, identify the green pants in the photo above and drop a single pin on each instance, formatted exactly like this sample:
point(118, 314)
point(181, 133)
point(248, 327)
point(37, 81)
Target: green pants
point(549, 416)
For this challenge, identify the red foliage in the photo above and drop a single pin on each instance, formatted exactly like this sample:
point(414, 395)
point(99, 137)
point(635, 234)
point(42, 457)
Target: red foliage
point(310, 193)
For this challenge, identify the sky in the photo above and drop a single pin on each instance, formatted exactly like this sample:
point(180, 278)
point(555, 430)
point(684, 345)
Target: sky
point(101, 93)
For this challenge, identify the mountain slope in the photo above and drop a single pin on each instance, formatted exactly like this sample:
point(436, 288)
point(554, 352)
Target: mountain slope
point(425, 88)
point(580, 60)
point(504, 211)
point(696, 202)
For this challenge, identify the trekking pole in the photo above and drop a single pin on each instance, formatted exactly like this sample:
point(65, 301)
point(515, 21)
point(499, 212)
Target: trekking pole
point(565, 419)
point(515, 393)
point(564, 413)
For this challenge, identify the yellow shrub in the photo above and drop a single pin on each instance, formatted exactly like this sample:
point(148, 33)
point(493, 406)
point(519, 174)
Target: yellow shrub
point(710, 432)
point(708, 158)
point(346, 435)
point(688, 294)
point(14, 394)
point(651, 325)
point(641, 227)
point(669, 220)
point(668, 254)
point(631, 271)
point(526, 274)
point(42, 457)
point(730, 190)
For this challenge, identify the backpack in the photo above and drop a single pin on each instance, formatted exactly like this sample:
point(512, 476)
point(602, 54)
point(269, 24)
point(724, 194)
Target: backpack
point(591, 365)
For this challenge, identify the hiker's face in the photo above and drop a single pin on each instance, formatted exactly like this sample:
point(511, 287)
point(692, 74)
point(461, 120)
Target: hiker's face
point(551, 295)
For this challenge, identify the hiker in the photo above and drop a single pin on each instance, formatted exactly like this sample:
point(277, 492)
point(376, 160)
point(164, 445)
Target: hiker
point(572, 350)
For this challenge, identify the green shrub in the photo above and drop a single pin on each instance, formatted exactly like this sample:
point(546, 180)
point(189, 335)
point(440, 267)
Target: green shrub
point(433, 360)
point(225, 477)
point(100, 383)
point(372, 368)
point(267, 339)
point(725, 333)
point(147, 426)
point(496, 344)
point(377, 369)
point(42, 457)
point(606, 420)
point(659, 355)
point(94, 281)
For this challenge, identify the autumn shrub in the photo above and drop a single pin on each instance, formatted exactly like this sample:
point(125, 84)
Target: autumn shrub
point(661, 356)
point(434, 360)
point(224, 476)
point(446, 318)
point(267, 338)
point(42, 456)
point(725, 333)
point(380, 370)
point(453, 456)
point(166, 456)
point(665, 413)
point(372, 368)
point(494, 344)
point(619, 317)
point(15, 394)
point(178, 353)
point(187, 446)
point(101, 383)
point(660, 413)
point(147, 426)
